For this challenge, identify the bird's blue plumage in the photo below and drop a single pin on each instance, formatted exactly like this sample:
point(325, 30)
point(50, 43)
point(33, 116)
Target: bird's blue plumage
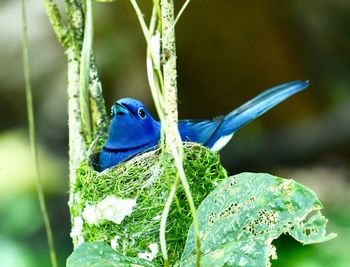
point(133, 130)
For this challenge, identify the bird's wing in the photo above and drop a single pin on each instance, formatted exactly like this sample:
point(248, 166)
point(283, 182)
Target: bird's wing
point(199, 131)
point(253, 109)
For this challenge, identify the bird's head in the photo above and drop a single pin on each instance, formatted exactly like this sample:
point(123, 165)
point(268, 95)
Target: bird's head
point(131, 125)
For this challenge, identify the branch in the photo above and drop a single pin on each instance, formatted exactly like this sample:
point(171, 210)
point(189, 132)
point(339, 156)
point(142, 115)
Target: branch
point(97, 103)
point(75, 15)
point(173, 139)
point(56, 22)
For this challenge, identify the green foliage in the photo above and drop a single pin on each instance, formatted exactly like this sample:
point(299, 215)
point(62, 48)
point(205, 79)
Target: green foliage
point(98, 254)
point(246, 212)
point(147, 179)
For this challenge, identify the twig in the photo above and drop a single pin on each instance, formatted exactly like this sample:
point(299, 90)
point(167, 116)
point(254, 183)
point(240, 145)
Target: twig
point(178, 16)
point(56, 22)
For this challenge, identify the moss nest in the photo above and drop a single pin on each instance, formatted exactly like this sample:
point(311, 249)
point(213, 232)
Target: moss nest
point(122, 206)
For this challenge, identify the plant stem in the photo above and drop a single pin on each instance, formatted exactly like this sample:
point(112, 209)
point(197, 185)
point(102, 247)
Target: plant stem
point(84, 98)
point(155, 77)
point(163, 221)
point(173, 138)
point(178, 16)
point(33, 144)
point(164, 92)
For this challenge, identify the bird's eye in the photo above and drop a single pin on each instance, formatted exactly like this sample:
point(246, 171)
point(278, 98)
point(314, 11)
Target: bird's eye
point(141, 113)
point(112, 112)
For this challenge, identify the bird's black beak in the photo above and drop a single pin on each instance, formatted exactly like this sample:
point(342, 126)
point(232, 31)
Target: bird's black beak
point(120, 109)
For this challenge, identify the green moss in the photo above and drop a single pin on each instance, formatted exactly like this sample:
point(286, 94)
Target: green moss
point(148, 179)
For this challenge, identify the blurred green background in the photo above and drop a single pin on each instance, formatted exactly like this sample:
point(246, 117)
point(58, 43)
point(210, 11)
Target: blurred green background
point(228, 51)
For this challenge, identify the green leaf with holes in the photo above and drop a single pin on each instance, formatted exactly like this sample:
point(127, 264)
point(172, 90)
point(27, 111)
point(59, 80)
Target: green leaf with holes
point(246, 212)
point(99, 254)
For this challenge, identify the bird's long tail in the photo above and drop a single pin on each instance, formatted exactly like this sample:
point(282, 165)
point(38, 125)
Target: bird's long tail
point(260, 104)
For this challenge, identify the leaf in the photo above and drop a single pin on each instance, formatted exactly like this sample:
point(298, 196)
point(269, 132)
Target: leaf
point(99, 254)
point(246, 212)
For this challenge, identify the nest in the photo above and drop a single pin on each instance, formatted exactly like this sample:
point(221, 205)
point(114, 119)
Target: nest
point(144, 184)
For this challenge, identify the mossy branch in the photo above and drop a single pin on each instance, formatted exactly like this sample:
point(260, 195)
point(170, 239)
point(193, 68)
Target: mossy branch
point(77, 145)
point(75, 15)
point(86, 110)
point(173, 138)
point(56, 22)
point(169, 69)
point(99, 118)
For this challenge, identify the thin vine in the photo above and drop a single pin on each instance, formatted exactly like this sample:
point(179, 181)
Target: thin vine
point(164, 91)
point(32, 139)
point(84, 99)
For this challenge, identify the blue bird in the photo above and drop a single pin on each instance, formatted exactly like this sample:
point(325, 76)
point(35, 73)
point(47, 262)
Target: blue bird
point(133, 130)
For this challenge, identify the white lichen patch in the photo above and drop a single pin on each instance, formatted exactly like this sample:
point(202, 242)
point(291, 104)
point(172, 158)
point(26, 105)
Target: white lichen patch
point(110, 208)
point(273, 253)
point(77, 18)
point(90, 214)
point(114, 242)
point(150, 255)
point(155, 46)
point(77, 228)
